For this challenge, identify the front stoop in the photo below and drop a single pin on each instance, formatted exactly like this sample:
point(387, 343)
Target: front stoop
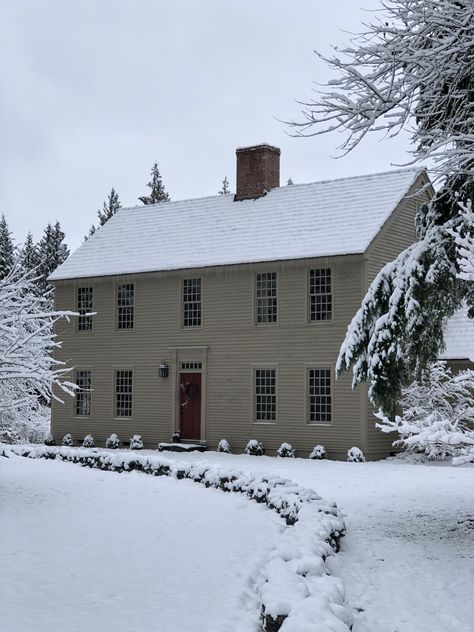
point(182, 447)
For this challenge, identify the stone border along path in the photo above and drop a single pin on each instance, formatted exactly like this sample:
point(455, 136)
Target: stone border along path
point(298, 590)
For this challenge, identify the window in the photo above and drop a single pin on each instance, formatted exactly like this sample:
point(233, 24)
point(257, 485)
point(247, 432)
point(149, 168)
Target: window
point(123, 393)
point(192, 302)
point(319, 391)
point(85, 297)
point(266, 293)
point(320, 295)
point(83, 380)
point(265, 395)
point(125, 306)
point(191, 366)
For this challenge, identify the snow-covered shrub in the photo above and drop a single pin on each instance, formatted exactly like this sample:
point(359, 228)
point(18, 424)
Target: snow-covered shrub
point(88, 441)
point(68, 441)
point(136, 442)
point(112, 442)
point(438, 414)
point(223, 446)
point(355, 455)
point(176, 437)
point(254, 447)
point(30, 424)
point(49, 440)
point(286, 451)
point(318, 452)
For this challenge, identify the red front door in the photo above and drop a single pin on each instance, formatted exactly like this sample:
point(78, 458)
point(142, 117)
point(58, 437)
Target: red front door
point(190, 406)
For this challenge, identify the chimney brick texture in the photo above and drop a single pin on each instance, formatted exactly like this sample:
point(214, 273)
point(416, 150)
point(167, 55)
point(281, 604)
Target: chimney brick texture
point(258, 171)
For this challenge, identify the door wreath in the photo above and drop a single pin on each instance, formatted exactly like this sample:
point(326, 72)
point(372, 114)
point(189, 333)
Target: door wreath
point(190, 391)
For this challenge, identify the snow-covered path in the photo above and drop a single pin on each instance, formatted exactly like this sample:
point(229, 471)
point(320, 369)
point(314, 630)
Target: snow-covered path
point(97, 551)
point(408, 557)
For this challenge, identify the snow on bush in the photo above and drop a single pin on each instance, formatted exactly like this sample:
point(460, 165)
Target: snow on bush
point(355, 455)
point(286, 451)
point(136, 442)
point(49, 440)
point(254, 447)
point(297, 592)
point(112, 442)
point(88, 441)
point(438, 415)
point(223, 446)
point(68, 441)
point(31, 424)
point(318, 452)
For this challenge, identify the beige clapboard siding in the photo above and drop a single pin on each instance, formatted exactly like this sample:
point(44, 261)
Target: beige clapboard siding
point(396, 235)
point(235, 346)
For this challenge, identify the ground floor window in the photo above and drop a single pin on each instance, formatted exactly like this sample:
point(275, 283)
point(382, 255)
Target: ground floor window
point(83, 379)
point(123, 392)
point(319, 392)
point(265, 395)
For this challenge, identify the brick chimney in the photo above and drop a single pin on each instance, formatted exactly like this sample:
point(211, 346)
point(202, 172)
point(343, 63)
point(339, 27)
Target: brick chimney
point(258, 171)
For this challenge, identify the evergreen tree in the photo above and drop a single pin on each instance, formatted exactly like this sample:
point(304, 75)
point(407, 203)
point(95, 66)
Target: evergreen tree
point(225, 187)
point(52, 251)
point(29, 253)
point(158, 193)
point(7, 250)
point(410, 70)
point(109, 208)
point(289, 182)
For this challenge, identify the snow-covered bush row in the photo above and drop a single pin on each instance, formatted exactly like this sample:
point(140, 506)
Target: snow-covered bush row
point(355, 455)
point(254, 448)
point(297, 592)
point(318, 453)
point(286, 451)
point(223, 446)
point(112, 442)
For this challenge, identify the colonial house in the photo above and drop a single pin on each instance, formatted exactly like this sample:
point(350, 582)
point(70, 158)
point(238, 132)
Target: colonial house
point(222, 317)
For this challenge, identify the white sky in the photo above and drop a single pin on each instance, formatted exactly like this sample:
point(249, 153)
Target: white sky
point(92, 92)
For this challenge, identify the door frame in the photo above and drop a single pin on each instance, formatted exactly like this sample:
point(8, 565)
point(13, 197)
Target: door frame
point(182, 355)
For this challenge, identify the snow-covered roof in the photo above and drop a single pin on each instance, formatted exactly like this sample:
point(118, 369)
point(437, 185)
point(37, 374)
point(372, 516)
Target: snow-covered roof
point(333, 217)
point(459, 337)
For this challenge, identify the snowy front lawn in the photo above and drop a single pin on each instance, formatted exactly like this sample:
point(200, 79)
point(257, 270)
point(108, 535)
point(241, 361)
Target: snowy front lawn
point(89, 550)
point(407, 559)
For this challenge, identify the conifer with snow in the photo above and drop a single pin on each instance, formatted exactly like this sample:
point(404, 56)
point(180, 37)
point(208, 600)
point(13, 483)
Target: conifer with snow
point(51, 252)
point(355, 455)
point(225, 187)
point(410, 69)
point(88, 441)
point(29, 253)
point(112, 442)
point(437, 417)
point(136, 442)
point(254, 448)
point(318, 453)
point(109, 208)
point(157, 189)
point(68, 440)
point(223, 446)
point(7, 249)
point(286, 451)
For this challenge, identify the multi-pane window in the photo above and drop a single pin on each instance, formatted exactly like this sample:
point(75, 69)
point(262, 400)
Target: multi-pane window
point(125, 306)
point(319, 391)
point(123, 393)
point(192, 302)
point(265, 395)
point(320, 294)
point(85, 297)
point(83, 380)
point(266, 295)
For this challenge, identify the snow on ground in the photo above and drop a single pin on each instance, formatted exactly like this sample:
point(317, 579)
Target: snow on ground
point(89, 550)
point(408, 557)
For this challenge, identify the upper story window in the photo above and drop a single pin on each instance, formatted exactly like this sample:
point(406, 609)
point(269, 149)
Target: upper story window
point(319, 393)
point(266, 297)
point(83, 380)
point(192, 303)
point(320, 294)
point(125, 306)
point(123, 392)
point(85, 299)
point(265, 395)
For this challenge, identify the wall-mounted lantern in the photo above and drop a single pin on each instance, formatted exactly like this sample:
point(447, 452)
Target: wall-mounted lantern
point(164, 369)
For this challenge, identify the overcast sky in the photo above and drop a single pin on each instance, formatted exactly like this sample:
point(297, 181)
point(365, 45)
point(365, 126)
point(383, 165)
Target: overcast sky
point(92, 92)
